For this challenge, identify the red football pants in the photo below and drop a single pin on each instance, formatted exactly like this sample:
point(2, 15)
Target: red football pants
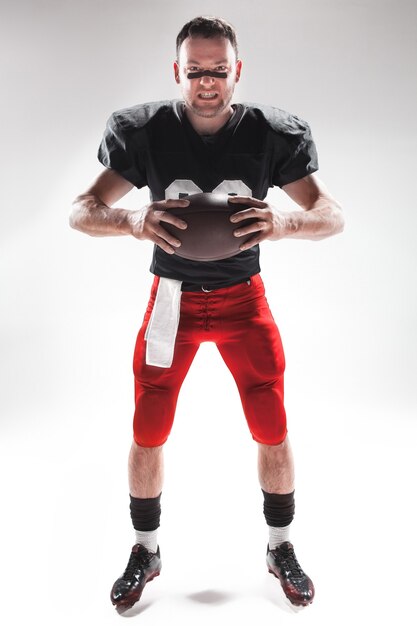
point(238, 320)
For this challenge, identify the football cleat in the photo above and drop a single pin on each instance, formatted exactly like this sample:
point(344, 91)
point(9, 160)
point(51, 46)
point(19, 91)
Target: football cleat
point(142, 567)
point(297, 586)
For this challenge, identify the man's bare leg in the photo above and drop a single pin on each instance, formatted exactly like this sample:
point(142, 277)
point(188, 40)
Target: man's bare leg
point(146, 471)
point(145, 485)
point(276, 467)
point(276, 476)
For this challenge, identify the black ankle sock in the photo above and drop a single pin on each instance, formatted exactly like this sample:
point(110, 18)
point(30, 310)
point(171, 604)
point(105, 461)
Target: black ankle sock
point(145, 512)
point(278, 508)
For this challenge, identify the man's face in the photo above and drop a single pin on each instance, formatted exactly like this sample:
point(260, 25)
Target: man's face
point(207, 96)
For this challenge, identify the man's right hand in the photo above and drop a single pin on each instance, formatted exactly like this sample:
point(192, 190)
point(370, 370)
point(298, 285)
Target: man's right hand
point(93, 213)
point(146, 223)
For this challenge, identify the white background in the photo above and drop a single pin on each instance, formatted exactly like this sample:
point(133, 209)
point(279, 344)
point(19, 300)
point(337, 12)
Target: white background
point(72, 304)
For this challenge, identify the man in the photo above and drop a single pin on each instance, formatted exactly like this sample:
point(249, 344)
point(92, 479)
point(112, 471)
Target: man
point(177, 148)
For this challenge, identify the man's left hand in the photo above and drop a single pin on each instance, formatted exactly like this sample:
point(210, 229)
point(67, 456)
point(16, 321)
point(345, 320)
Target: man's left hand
point(270, 224)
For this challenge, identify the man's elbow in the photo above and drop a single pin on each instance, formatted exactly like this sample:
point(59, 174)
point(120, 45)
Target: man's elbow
point(75, 219)
point(338, 219)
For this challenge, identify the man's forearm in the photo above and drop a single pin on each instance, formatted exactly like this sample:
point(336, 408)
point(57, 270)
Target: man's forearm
point(323, 219)
point(91, 216)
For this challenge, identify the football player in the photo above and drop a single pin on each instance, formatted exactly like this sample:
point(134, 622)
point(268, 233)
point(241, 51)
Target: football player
point(205, 143)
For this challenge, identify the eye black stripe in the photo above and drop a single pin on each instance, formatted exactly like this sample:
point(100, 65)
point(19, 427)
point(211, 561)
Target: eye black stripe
point(207, 73)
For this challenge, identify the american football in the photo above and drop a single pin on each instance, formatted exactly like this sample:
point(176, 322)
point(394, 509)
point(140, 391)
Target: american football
point(209, 236)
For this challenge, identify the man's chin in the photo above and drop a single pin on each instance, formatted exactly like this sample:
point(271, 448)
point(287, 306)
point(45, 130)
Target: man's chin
point(205, 111)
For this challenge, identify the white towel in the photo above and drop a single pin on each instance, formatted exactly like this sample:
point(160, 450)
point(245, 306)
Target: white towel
point(162, 328)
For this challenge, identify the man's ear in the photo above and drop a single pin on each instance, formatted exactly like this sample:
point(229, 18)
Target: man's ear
point(176, 72)
point(238, 69)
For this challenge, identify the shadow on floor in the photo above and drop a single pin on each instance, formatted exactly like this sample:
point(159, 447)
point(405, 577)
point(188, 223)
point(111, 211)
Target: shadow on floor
point(210, 596)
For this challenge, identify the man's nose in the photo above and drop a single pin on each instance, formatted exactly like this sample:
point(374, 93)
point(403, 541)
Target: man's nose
point(207, 81)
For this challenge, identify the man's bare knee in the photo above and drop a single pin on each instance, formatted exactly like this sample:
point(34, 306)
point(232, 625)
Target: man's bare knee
point(146, 450)
point(279, 448)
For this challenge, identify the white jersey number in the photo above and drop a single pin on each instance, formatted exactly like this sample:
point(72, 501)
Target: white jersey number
point(184, 186)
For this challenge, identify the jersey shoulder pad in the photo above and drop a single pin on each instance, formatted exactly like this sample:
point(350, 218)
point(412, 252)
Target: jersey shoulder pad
point(137, 116)
point(278, 120)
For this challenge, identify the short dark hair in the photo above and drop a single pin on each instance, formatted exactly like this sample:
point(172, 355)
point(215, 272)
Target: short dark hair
point(208, 27)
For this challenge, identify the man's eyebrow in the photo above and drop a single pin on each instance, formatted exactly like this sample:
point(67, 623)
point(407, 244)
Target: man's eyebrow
point(198, 62)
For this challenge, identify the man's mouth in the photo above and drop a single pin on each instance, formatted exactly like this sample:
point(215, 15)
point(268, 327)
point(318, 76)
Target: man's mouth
point(207, 95)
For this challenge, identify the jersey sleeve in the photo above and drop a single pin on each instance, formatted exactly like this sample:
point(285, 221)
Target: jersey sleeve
point(295, 153)
point(120, 149)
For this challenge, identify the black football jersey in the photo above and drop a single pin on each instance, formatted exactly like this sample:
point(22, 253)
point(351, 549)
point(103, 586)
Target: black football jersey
point(155, 145)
